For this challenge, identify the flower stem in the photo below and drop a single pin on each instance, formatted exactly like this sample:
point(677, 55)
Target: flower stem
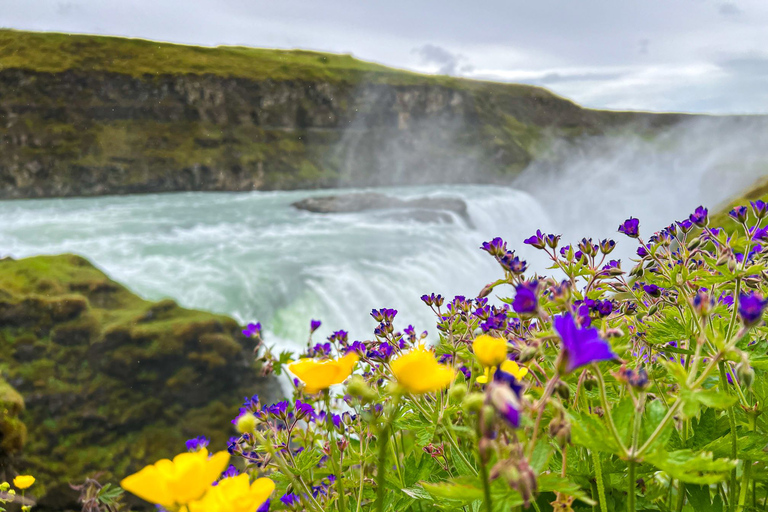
point(381, 470)
point(607, 410)
point(600, 483)
point(335, 464)
point(732, 484)
point(483, 471)
point(631, 484)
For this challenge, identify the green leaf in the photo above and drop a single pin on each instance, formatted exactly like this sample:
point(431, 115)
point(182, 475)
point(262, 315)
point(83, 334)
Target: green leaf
point(462, 489)
point(691, 467)
point(701, 499)
point(715, 399)
point(588, 431)
point(551, 482)
point(654, 414)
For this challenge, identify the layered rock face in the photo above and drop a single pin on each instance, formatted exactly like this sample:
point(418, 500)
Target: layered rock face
point(110, 381)
point(87, 129)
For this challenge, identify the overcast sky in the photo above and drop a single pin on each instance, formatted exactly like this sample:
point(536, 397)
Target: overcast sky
point(682, 55)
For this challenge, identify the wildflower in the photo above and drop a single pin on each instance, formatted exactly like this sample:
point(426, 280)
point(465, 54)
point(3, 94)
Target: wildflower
point(526, 300)
point(581, 346)
point(513, 263)
point(630, 227)
point(607, 246)
point(319, 375)
point(196, 443)
point(383, 314)
point(739, 213)
point(235, 494)
point(686, 225)
point(760, 208)
point(178, 482)
point(751, 306)
point(432, 299)
point(419, 372)
point(490, 351)
point(642, 251)
point(536, 240)
point(699, 217)
point(290, 499)
point(512, 368)
point(504, 394)
point(314, 325)
point(652, 290)
point(252, 330)
point(23, 481)
point(496, 247)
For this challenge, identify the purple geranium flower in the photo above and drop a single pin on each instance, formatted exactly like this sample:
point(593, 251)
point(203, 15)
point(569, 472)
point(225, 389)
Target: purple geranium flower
point(264, 507)
point(314, 325)
point(513, 263)
point(699, 217)
point(760, 208)
point(751, 306)
point(536, 240)
point(630, 227)
point(289, 500)
point(739, 213)
point(496, 247)
point(642, 251)
point(526, 300)
point(581, 346)
point(252, 330)
point(652, 290)
point(197, 443)
point(504, 393)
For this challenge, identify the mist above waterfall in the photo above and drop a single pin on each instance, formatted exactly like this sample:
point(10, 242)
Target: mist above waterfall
point(590, 185)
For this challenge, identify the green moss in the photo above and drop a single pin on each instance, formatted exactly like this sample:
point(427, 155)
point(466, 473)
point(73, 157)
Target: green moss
point(117, 381)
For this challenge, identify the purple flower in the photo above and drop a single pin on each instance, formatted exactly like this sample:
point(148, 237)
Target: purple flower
point(552, 240)
point(606, 246)
point(197, 443)
point(526, 300)
point(751, 306)
point(303, 410)
point(760, 208)
point(383, 314)
point(314, 325)
point(759, 233)
point(289, 500)
point(642, 251)
point(496, 247)
point(230, 472)
point(504, 393)
point(581, 346)
point(536, 240)
point(466, 372)
point(685, 225)
point(603, 308)
point(513, 263)
point(630, 227)
point(739, 213)
point(264, 507)
point(432, 299)
point(652, 290)
point(252, 330)
point(699, 216)
point(726, 299)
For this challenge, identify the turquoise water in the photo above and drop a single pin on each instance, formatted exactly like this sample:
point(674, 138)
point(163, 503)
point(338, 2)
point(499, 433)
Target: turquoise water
point(255, 257)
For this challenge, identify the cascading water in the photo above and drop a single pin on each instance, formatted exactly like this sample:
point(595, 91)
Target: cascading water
point(255, 257)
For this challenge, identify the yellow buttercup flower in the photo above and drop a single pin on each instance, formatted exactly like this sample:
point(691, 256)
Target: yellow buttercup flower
point(178, 482)
point(419, 372)
point(510, 367)
point(235, 494)
point(489, 350)
point(319, 375)
point(23, 481)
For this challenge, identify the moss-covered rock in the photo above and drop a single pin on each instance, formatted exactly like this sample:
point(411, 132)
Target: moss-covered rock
point(111, 381)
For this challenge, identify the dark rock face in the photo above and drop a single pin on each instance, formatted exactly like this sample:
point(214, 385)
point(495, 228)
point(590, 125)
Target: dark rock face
point(424, 209)
point(92, 133)
point(110, 381)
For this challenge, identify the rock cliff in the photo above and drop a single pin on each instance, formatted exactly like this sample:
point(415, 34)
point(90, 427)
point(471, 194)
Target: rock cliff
point(86, 115)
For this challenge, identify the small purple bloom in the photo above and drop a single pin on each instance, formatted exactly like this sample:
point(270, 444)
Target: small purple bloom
point(314, 325)
point(289, 500)
point(760, 208)
point(513, 263)
point(751, 306)
point(699, 217)
point(466, 372)
point(230, 472)
point(496, 247)
point(197, 443)
point(552, 240)
point(606, 246)
point(303, 410)
point(739, 213)
point(264, 507)
point(604, 308)
point(581, 346)
point(630, 227)
point(652, 290)
point(526, 300)
point(536, 240)
point(642, 251)
point(252, 330)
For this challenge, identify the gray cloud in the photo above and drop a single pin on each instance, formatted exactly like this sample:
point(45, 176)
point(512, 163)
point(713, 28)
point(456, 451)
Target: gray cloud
point(449, 63)
point(513, 40)
point(729, 10)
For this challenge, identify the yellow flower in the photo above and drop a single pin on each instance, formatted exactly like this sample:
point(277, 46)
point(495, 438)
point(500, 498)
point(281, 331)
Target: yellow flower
point(490, 351)
point(235, 494)
point(23, 481)
point(419, 372)
point(177, 482)
point(319, 375)
point(512, 368)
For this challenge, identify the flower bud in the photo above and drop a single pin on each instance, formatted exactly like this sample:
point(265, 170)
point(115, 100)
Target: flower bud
point(473, 402)
point(246, 423)
point(358, 388)
point(457, 392)
point(527, 354)
point(653, 309)
point(562, 390)
point(590, 382)
point(560, 431)
point(745, 374)
point(694, 244)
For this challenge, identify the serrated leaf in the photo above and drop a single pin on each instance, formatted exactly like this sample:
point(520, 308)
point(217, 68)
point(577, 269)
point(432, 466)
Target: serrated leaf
point(462, 489)
point(715, 399)
point(590, 432)
point(691, 467)
point(551, 482)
